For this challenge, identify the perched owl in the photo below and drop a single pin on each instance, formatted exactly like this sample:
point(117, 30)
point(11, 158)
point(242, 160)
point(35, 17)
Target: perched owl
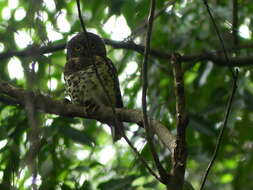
point(82, 83)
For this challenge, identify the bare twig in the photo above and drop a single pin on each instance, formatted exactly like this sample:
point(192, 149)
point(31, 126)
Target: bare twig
point(94, 64)
point(164, 176)
point(91, 56)
point(84, 29)
point(230, 101)
point(219, 140)
point(219, 36)
point(144, 162)
point(144, 23)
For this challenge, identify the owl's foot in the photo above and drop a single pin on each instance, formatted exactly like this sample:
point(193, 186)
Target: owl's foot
point(90, 106)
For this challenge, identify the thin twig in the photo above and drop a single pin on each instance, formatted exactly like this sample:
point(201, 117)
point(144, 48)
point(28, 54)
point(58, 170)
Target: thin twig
point(219, 140)
point(219, 36)
point(93, 62)
point(161, 170)
point(230, 101)
point(84, 29)
point(144, 23)
point(144, 162)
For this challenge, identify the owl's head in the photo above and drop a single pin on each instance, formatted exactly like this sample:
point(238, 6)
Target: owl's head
point(77, 46)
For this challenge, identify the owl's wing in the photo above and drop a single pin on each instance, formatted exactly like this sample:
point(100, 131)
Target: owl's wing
point(114, 74)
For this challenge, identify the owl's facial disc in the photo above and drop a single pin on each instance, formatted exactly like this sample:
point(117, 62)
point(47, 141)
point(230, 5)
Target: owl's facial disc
point(77, 46)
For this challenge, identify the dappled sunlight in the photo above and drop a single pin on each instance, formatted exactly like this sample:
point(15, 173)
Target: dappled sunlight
point(1, 47)
point(12, 4)
point(106, 154)
point(82, 154)
point(28, 183)
point(53, 34)
point(22, 39)
point(117, 28)
point(6, 13)
point(52, 83)
point(62, 22)
point(34, 66)
point(74, 152)
point(15, 68)
point(3, 143)
point(20, 13)
point(42, 15)
point(244, 31)
point(50, 5)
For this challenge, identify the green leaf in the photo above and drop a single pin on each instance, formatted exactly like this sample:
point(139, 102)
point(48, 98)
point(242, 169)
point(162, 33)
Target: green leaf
point(118, 183)
point(77, 135)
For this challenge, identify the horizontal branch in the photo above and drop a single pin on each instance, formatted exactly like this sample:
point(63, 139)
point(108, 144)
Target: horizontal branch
point(213, 56)
point(48, 105)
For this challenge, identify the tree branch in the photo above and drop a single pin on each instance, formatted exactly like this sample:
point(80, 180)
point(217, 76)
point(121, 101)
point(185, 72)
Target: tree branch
point(48, 105)
point(214, 56)
point(219, 36)
point(180, 154)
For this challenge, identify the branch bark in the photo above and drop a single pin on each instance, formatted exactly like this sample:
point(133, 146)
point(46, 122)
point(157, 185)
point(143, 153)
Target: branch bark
point(48, 105)
point(214, 56)
point(180, 153)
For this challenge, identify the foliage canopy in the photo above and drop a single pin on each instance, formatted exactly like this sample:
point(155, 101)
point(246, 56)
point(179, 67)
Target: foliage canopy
point(76, 153)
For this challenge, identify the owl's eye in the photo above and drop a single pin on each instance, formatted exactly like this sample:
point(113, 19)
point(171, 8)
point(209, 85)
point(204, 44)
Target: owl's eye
point(77, 48)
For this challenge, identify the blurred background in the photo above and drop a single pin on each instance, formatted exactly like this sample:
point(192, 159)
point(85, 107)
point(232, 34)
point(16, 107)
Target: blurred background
point(76, 153)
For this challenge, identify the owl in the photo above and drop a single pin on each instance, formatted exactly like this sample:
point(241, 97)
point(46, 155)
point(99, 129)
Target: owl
point(82, 83)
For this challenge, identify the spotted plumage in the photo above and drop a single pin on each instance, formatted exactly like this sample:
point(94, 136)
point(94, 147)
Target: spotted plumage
point(82, 83)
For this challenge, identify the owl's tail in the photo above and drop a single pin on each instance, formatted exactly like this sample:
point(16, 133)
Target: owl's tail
point(117, 131)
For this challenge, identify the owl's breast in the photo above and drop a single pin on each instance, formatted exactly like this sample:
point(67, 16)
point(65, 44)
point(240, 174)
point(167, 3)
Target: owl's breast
point(83, 86)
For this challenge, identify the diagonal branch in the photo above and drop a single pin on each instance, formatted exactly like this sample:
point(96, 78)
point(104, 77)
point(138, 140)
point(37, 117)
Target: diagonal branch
point(219, 36)
point(47, 105)
point(219, 140)
point(230, 101)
